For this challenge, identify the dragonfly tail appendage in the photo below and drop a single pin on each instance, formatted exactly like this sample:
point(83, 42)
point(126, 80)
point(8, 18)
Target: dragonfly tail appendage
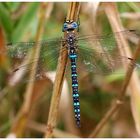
point(75, 91)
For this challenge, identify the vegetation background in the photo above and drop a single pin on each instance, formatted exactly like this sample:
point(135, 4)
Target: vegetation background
point(19, 23)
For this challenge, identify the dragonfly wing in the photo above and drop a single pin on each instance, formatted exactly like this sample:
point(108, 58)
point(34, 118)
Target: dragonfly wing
point(49, 52)
point(107, 41)
point(20, 49)
point(102, 61)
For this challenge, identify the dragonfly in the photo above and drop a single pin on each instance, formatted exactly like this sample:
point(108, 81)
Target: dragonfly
point(98, 54)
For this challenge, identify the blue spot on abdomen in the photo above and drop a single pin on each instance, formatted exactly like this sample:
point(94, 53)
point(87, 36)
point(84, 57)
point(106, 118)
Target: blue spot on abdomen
point(72, 56)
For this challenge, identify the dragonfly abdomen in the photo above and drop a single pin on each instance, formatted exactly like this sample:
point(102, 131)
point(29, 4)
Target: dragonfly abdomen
point(69, 27)
point(75, 92)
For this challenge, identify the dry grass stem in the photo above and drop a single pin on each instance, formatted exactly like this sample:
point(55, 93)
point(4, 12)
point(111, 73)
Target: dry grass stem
point(3, 58)
point(22, 8)
point(52, 119)
point(73, 12)
point(22, 117)
point(132, 16)
point(42, 128)
point(117, 26)
point(115, 22)
point(120, 99)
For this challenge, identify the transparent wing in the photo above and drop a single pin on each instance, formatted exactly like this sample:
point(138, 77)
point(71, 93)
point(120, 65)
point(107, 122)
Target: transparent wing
point(107, 41)
point(104, 63)
point(97, 53)
point(100, 54)
point(49, 52)
point(20, 49)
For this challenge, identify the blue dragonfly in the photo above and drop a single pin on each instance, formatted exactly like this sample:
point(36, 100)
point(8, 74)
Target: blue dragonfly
point(95, 53)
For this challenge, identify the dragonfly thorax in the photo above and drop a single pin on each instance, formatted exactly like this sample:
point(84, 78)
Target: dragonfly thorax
point(71, 42)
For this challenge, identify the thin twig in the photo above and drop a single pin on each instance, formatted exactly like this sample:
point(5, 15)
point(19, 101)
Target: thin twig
point(42, 128)
point(134, 88)
point(120, 99)
point(19, 11)
point(52, 119)
point(22, 117)
point(131, 15)
point(3, 58)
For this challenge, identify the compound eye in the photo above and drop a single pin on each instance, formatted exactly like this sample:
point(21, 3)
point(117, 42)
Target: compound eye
point(74, 24)
point(65, 25)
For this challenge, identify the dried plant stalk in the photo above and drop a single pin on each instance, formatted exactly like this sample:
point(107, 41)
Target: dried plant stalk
point(42, 128)
point(131, 15)
point(52, 119)
point(117, 26)
point(3, 58)
point(16, 14)
point(134, 83)
point(119, 101)
point(22, 117)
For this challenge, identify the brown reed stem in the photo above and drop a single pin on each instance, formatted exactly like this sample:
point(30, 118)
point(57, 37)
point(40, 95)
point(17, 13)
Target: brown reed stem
point(119, 101)
point(22, 117)
point(16, 14)
point(54, 106)
point(3, 58)
point(42, 128)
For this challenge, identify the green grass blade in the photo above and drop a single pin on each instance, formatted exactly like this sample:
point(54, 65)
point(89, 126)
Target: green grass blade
point(133, 6)
point(25, 21)
point(5, 20)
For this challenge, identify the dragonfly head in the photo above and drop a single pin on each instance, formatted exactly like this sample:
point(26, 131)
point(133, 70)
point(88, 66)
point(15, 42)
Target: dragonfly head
point(69, 25)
